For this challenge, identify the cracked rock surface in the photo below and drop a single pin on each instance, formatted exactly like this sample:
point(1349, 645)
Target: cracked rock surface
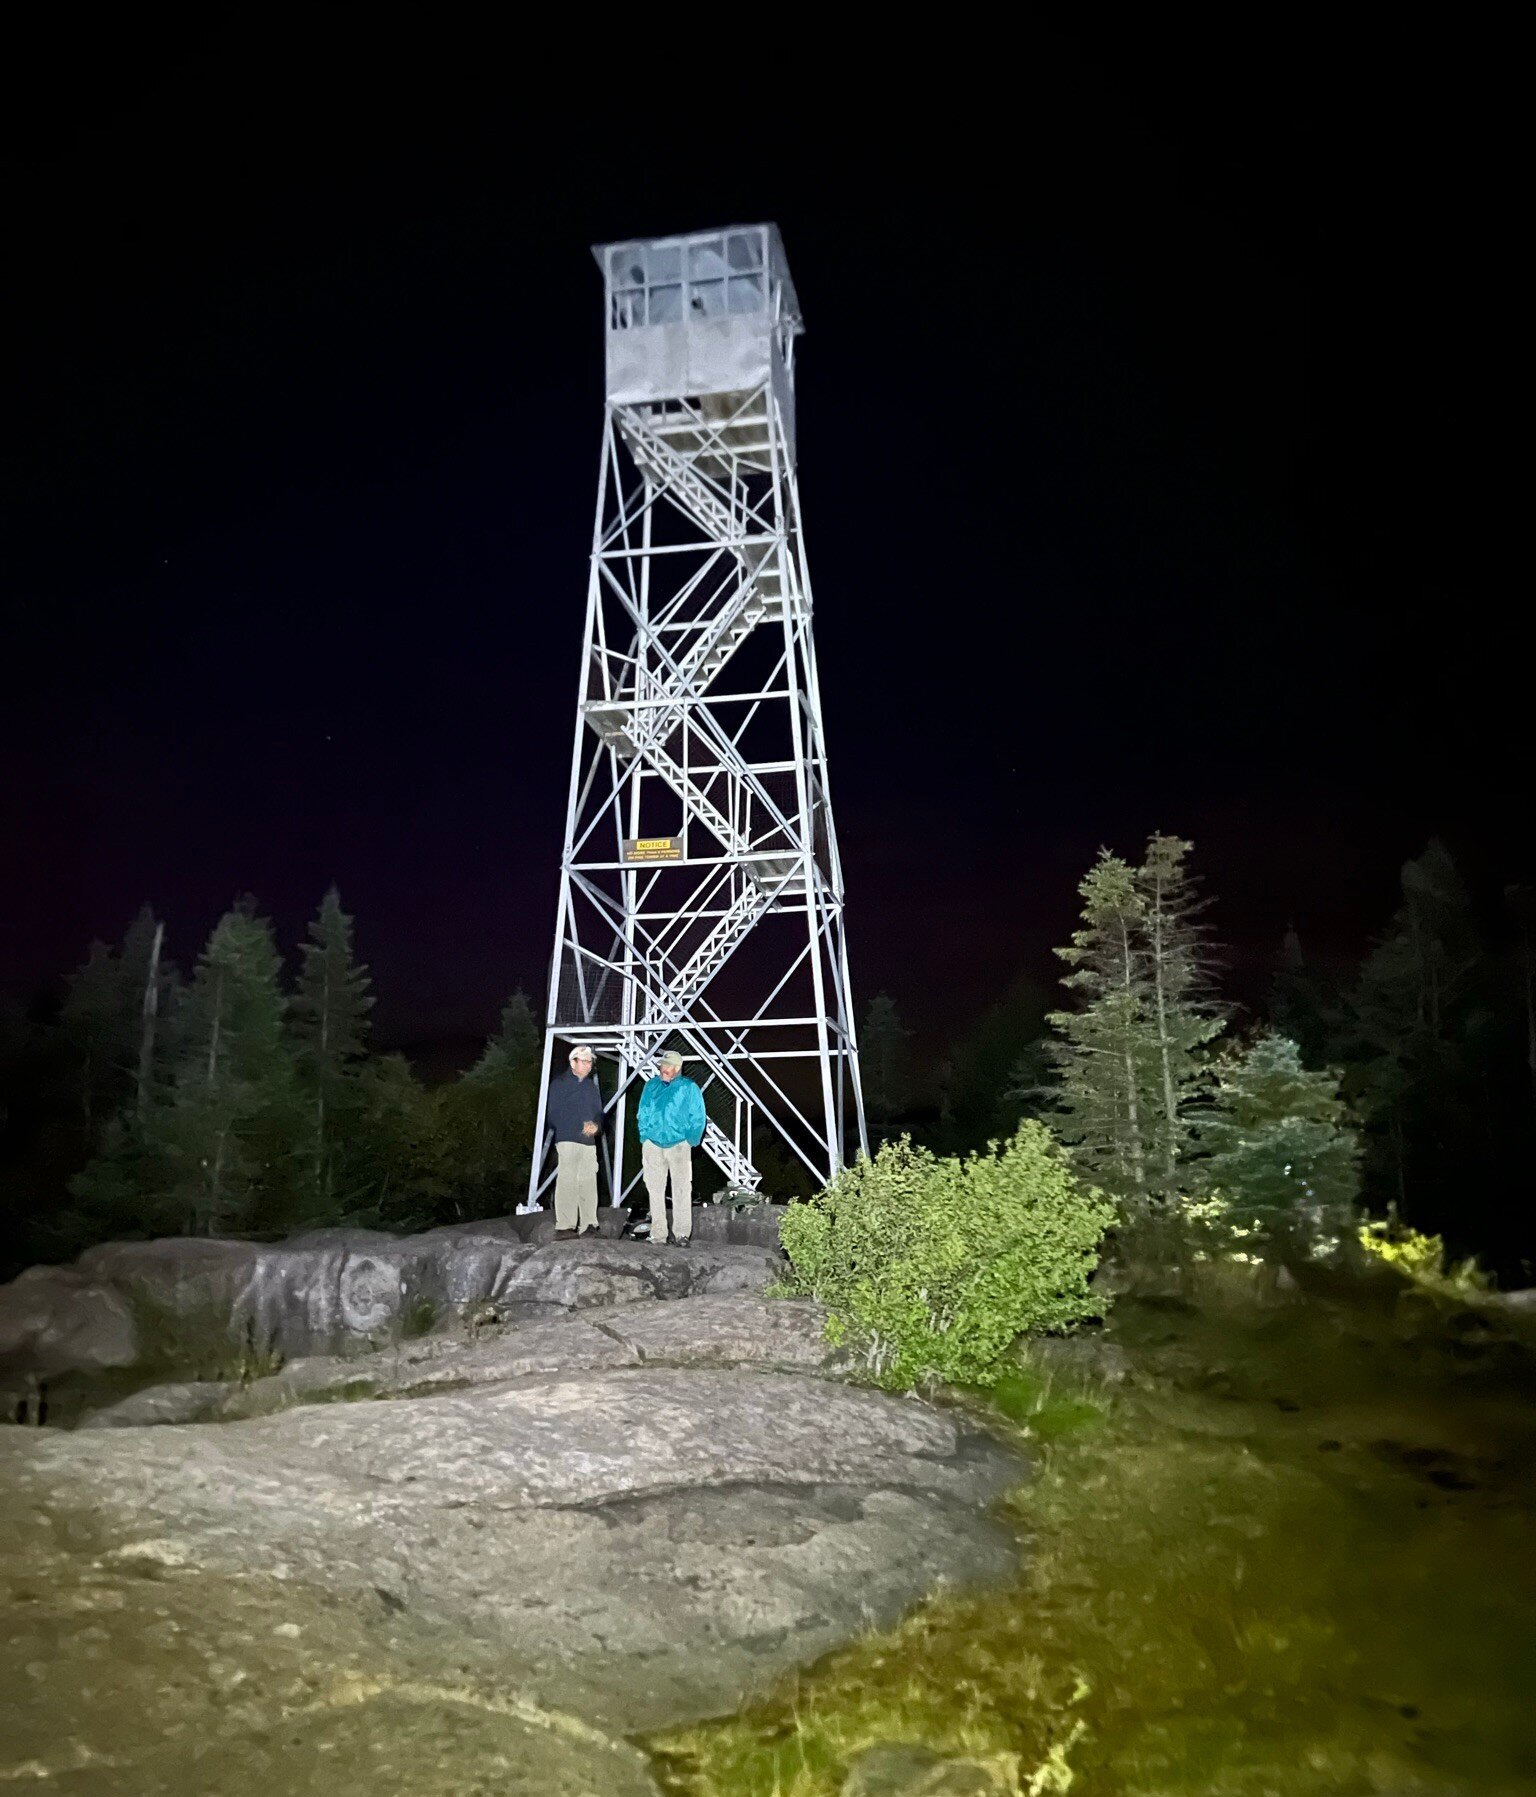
point(334, 1291)
point(636, 1513)
point(737, 1330)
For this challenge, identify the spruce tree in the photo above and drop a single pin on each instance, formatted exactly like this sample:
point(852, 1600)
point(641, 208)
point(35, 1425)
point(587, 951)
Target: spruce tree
point(515, 1046)
point(1306, 1004)
point(1279, 1145)
point(486, 1118)
point(111, 1024)
point(330, 1024)
point(1413, 1017)
point(1180, 997)
point(226, 1131)
point(1520, 903)
point(92, 1024)
point(148, 983)
point(115, 1191)
point(396, 1168)
point(944, 1087)
point(998, 1068)
point(1106, 1053)
point(884, 1061)
point(519, 1035)
point(1028, 1085)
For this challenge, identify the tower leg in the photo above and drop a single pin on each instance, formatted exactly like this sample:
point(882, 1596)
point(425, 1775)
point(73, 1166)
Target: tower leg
point(616, 1189)
point(537, 1156)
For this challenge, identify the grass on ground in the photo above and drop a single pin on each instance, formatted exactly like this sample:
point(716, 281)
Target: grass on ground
point(1290, 1560)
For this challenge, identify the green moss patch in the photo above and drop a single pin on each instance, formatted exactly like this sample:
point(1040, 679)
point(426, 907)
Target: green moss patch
point(1289, 1558)
point(195, 1342)
point(351, 1391)
point(1041, 1407)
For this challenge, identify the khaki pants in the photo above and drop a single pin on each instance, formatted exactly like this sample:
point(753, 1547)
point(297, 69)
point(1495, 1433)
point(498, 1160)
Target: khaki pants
point(657, 1163)
point(575, 1185)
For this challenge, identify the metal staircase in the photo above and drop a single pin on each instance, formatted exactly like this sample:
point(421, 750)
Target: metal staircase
point(758, 599)
point(639, 1049)
point(668, 995)
point(688, 983)
point(646, 731)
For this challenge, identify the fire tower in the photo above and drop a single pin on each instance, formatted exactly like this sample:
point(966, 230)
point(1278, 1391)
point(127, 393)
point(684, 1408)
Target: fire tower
point(701, 896)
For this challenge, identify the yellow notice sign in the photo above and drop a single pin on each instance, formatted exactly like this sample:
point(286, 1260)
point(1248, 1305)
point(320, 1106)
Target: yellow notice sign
point(652, 848)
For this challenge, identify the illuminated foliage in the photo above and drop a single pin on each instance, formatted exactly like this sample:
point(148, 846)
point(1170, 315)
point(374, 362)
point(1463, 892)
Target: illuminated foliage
point(1182, 1011)
point(1278, 1142)
point(932, 1267)
point(1106, 1053)
point(1421, 1258)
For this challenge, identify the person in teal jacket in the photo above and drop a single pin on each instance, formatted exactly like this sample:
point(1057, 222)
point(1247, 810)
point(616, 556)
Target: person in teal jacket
point(671, 1125)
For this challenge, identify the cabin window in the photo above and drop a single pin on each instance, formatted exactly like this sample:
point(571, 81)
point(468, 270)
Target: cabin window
point(706, 277)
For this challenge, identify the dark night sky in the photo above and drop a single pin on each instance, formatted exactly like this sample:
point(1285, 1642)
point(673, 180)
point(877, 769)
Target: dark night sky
point(1148, 412)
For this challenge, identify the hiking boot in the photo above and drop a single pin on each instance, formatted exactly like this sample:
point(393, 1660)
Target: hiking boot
point(565, 1235)
point(681, 1241)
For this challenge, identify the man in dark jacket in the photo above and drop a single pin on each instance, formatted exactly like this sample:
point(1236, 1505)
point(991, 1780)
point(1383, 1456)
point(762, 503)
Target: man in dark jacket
point(575, 1113)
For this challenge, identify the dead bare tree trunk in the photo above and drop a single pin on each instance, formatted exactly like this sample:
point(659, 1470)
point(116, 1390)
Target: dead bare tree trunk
point(1159, 988)
point(1133, 1110)
point(149, 1022)
point(323, 1063)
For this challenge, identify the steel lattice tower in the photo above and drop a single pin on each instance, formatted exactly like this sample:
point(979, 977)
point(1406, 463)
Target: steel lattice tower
point(701, 895)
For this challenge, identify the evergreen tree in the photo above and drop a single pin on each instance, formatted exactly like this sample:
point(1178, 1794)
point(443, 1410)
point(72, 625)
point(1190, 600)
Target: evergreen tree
point(487, 1117)
point(120, 1189)
point(110, 1024)
point(226, 1132)
point(1028, 1087)
point(1437, 916)
point(15, 1041)
point(125, 1192)
point(42, 1137)
point(1412, 1030)
point(1308, 1006)
point(395, 1171)
point(519, 1035)
point(330, 1023)
point(1106, 1052)
point(486, 1124)
point(884, 1061)
point(91, 1021)
point(515, 1046)
point(1520, 903)
point(944, 1088)
point(785, 1175)
point(997, 1071)
point(1180, 996)
point(1279, 1145)
point(148, 986)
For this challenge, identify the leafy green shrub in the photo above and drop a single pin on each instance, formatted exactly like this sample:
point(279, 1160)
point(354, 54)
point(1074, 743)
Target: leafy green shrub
point(931, 1267)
